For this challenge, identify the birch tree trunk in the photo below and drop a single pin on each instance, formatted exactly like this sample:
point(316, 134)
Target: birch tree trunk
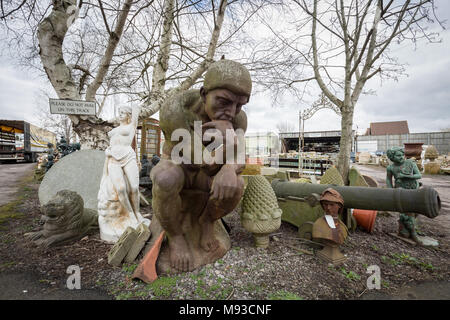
point(158, 94)
point(345, 145)
point(92, 130)
point(51, 32)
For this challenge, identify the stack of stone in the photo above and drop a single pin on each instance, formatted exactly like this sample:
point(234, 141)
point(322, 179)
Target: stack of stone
point(129, 245)
point(364, 158)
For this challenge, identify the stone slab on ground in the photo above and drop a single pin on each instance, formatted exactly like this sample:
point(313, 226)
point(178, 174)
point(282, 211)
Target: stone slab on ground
point(122, 246)
point(428, 241)
point(80, 171)
point(143, 235)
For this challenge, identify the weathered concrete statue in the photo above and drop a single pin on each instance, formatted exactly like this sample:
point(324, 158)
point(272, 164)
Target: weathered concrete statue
point(190, 199)
point(118, 196)
point(406, 175)
point(329, 229)
point(66, 220)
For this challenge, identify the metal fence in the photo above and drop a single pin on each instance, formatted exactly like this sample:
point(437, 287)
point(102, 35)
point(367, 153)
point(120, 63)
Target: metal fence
point(441, 140)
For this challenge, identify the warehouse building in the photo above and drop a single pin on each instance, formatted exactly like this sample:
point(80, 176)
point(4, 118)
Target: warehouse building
point(382, 136)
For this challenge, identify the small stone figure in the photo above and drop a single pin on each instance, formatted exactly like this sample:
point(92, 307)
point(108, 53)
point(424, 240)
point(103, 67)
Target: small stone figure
point(74, 147)
point(144, 174)
point(329, 229)
point(406, 175)
point(190, 199)
point(63, 147)
point(41, 168)
point(49, 162)
point(66, 220)
point(146, 168)
point(155, 160)
point(50, 150)
point(118, 196)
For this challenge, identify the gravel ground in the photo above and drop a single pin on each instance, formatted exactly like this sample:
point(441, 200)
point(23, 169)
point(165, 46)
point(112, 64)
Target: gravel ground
point(285, 270)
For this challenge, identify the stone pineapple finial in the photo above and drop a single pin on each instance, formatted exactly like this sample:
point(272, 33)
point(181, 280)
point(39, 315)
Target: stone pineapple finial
point(260, 212)
point(431, 153)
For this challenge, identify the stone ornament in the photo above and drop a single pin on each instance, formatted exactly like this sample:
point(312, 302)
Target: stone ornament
point(66, 220)
point(332, 176)
point(118, 196)
point(431, 153)
point(260, 212)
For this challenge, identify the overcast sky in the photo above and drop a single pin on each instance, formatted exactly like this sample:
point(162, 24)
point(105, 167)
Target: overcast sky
point(422, 98)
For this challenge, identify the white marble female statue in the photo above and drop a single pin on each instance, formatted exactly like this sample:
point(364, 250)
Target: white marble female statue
point(118, 197)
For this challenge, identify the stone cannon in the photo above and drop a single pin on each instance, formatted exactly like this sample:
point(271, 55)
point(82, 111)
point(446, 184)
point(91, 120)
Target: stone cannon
point(300, 209)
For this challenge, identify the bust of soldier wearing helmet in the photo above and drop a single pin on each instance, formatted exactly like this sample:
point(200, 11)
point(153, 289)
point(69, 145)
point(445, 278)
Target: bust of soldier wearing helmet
point(331, 231)
point(189, 199)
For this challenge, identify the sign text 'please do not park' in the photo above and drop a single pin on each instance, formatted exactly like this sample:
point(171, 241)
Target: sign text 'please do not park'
point(72, 107)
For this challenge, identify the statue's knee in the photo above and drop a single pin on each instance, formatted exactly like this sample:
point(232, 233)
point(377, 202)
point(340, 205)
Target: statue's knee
point(169, 180)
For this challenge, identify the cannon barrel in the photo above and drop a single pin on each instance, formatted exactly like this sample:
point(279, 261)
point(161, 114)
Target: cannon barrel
point(424, 201)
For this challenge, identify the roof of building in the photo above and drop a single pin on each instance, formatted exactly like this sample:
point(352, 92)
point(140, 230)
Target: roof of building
point(391, 127)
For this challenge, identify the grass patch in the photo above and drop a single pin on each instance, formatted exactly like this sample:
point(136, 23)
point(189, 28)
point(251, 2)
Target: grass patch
point(6, 265)
point(11, 210)
point(163, 286)
point(404, 258)
point(124, 296)
point(350, 275)
point(284, 295)
point(217, 290)
point(396, 259)
point(129, 268)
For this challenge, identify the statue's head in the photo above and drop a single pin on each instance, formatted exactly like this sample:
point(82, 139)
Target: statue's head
point(396, 154)
point(50, 145)
point(155, 159)
point(226, 88)
point(332, 202)
point(124, 113)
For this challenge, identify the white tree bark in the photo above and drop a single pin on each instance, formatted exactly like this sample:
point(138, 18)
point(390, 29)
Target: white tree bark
point(158, 94)
point(51, 32)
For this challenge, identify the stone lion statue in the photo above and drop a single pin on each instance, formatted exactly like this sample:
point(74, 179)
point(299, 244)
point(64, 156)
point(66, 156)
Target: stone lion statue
point(66, 220)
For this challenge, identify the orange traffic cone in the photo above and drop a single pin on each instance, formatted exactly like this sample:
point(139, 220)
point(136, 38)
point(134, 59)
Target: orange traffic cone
point(365, 218)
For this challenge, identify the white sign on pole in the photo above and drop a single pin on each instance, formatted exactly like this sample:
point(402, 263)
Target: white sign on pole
point(72, 107)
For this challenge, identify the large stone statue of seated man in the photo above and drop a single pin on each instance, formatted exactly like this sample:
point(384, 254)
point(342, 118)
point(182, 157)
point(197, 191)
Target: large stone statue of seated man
point(190, 197)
